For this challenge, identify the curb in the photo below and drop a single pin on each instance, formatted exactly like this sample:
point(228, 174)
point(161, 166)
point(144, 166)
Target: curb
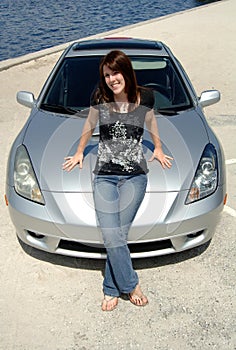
point(6, 64)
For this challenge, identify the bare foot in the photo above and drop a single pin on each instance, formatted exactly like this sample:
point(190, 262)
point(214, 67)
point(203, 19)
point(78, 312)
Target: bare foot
point(137, 297)
point(109, 303)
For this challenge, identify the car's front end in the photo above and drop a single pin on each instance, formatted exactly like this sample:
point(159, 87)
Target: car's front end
point(53, 210)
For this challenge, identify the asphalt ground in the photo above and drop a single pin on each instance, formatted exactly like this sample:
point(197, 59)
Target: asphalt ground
point(53, 302)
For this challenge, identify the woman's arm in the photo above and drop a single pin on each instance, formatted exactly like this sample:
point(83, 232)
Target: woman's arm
point(153, 130)
point(89, 126)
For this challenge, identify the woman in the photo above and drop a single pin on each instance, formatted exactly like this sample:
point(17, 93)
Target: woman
point(120, 180)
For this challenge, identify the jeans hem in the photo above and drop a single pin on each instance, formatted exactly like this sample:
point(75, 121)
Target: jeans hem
point(131, 289)
point(110, 295)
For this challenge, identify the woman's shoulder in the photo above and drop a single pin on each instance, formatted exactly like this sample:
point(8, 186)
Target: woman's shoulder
point(147, 98)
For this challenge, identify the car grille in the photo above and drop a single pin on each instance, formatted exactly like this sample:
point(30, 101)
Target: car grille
point(133, 247)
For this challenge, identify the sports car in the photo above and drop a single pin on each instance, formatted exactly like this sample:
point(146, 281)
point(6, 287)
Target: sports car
point(53, 210)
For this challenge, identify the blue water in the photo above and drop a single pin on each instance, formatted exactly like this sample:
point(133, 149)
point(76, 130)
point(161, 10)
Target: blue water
point(33, 25)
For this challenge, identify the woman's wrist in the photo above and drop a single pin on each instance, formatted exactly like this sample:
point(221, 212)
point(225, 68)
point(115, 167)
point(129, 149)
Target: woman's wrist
point(80, 150)
point(158, 149)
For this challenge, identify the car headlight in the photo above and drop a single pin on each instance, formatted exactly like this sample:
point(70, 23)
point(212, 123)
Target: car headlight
point(206, 177)
point(25, 182)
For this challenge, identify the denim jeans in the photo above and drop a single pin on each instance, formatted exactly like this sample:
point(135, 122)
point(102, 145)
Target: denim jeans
point(117, 200)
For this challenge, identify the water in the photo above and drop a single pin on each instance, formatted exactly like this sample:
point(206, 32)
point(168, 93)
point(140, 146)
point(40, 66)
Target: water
point(33, 25)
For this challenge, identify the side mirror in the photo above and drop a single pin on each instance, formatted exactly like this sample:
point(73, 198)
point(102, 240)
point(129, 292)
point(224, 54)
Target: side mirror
point(25, 98)
point(209, 97)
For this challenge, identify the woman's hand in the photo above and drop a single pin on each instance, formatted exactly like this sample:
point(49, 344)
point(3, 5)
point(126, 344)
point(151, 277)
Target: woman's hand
point(162, 158)
point(71, 162)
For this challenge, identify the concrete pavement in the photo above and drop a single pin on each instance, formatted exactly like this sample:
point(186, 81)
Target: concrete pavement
point(52, 302)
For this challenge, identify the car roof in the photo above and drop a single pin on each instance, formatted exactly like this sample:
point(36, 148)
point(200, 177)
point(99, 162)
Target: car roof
point(128, 45)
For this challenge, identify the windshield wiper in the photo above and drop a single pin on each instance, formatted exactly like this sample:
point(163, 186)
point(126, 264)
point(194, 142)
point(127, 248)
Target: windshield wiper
point(58, 108)
point(167, 111)
point(174, 110)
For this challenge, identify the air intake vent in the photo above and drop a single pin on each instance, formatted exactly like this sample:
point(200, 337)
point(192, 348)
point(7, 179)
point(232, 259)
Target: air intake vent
point(134, 248)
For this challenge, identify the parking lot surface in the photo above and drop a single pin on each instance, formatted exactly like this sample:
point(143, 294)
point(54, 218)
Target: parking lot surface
point(53, 302)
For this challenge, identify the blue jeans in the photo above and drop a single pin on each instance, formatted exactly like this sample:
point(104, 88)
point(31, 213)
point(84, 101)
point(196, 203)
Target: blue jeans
point(117, 200)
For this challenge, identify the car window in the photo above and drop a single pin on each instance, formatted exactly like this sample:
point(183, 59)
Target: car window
point(73, 84)
point(71, 87)
point(160, 75)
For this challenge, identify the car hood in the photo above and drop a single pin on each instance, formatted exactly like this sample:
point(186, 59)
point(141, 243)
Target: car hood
point(51, 137)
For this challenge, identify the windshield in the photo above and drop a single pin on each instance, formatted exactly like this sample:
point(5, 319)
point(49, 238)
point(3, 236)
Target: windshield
point(72, 85)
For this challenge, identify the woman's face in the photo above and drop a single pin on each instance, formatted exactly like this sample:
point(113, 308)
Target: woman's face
point(114, 80)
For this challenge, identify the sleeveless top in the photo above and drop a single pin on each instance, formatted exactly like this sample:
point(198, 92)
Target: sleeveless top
point(120, 149)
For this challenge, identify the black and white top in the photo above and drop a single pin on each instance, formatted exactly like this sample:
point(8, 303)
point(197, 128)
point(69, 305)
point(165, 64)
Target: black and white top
point(120, 149)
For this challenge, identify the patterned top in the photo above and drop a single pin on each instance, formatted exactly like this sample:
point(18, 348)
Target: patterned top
point(120, 149)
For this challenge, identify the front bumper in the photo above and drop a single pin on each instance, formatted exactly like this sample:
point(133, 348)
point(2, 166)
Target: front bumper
point(67, 224)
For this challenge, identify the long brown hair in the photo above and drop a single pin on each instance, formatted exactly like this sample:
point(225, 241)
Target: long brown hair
point(118, 61)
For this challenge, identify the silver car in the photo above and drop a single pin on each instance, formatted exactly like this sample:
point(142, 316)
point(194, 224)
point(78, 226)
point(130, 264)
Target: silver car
point(53, 210)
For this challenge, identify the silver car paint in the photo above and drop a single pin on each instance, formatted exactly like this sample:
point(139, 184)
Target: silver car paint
point(59, 136)
point(69, 212)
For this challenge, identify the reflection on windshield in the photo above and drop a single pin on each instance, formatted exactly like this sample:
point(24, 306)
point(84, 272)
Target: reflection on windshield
point(71, 87)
